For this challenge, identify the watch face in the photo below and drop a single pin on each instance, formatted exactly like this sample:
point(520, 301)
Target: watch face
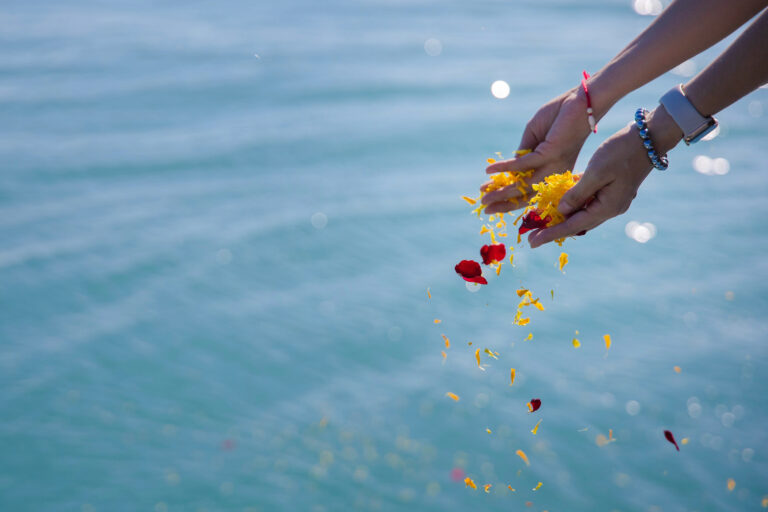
point(702, 131)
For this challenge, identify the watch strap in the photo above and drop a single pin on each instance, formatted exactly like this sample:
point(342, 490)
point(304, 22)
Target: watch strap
point(693, 125)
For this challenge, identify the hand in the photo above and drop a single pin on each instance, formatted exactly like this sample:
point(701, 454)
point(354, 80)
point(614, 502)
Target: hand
point(610, 183)
point(556, 134)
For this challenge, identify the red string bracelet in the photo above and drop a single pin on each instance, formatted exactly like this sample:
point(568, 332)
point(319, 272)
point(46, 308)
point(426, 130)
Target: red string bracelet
point(590, 116)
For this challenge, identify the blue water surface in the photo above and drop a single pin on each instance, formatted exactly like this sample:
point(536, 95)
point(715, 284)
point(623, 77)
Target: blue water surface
point(218, 224)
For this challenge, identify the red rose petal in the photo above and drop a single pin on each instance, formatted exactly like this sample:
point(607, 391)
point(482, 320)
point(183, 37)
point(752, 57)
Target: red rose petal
point(470, 270)
point(671, 438)
point(534, 404)
point(532, 221)
point(493, 253)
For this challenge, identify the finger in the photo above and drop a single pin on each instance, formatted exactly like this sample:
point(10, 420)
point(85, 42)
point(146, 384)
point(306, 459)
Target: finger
point(580, 221)
point(578, 195)
point(523, 163)
point(505, 206)
point(528, 141)
point(504, 194)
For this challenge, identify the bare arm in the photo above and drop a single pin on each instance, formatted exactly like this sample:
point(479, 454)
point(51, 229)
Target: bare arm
point(685, 29)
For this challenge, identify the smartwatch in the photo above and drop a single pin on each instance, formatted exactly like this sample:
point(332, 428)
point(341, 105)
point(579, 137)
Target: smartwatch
point(694, 125)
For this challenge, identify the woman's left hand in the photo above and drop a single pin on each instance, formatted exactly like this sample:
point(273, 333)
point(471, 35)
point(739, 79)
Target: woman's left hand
point(610, 183)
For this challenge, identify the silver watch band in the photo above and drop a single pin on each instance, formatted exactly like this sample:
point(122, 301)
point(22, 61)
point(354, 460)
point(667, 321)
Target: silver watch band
point(691, 122)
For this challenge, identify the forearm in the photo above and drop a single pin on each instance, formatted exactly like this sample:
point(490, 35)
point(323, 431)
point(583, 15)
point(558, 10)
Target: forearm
point(741, 69)
point(683, 30)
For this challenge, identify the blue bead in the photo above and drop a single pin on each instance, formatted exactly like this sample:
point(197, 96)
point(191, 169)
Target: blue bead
point(643, 132)
point(648, 144)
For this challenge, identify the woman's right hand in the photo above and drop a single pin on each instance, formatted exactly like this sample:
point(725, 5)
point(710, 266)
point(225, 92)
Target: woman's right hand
point(555, 135)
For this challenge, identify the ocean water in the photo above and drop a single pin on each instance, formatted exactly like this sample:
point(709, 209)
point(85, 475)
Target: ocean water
point(218, 224)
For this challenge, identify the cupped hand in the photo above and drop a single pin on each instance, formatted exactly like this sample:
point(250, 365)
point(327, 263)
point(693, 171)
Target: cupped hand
point(613, 176)
point(605, 190)
point(556, 134)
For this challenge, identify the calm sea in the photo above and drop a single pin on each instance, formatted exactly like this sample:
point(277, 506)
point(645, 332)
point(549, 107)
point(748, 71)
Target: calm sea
point(218, 224)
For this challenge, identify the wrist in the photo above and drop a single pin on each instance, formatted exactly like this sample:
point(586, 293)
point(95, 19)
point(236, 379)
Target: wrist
point(663, 130)
point(602, 93)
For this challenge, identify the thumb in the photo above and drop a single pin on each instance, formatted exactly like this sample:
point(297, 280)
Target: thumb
point(579, 194)
point(522, 163)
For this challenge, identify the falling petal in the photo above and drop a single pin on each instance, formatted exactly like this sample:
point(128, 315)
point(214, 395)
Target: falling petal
point(677, 369)
point(538, 486)
point(576, 343)
point(513, 490)
point(671, 438)
point(437, 320)
point(446, 340)
point(534, 405)
point(765, 502)
point(601, 440)
point(429, 294)
point(607, 338)
point(444, 354)
point(552, 293)
point(469, 199)
point(491, 354)
point(487, 487)
point(536, 428)
point(470, 271)
point(521, 292)
point(491, 161)
point(610, 434)
point(731, 484)
point(522, 455)
point(468, 482)
point(529, 337)
point(563, 260)
point(523, 321)
point(511, 376)
point(453, 396)
point(684, 441)
point(583, 429)
point(489, 431)
point(477, 358)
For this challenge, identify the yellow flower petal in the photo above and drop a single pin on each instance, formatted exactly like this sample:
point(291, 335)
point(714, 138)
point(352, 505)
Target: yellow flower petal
point(511, 376)
point(437, 320)
point(610, 434)
point(765, 502)
point(486, 487)
point(444, 354)
point(469, 199)
point(470, 483)
point(536, 428)
point(684, 441)
point(453, 396)
point(491, 161)
point(521, 292)
point(529, 337)
point(601, 440)
point(677, 369)
point(491, 354)
point(498, 269)
point(522, 455)
point(523, 321)
point(607, 338)
point(563, 260)
point(538, 486)
point(513, 490)
point(429, 295)
point(446, 340)
point(489, 431)
point(477, 358)
point(576, 343)
point(731, 484)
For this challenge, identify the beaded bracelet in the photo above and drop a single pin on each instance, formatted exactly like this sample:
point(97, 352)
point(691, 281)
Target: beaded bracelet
point(659, 162)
